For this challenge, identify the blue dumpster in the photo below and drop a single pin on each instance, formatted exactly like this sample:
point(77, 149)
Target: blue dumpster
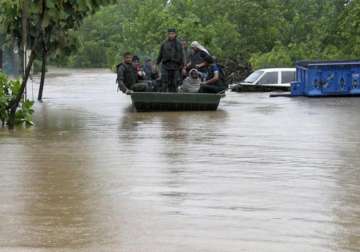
point(326, 78)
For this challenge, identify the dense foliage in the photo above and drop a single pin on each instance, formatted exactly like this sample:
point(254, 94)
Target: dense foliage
point(9, 90)
point(261, 32)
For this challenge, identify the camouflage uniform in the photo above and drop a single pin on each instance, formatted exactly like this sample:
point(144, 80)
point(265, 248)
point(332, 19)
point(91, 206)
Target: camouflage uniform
point(127, 78)
point(171, 58)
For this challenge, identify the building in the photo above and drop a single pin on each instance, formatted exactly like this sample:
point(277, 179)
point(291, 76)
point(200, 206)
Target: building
point(1, 58)
point(10, 57)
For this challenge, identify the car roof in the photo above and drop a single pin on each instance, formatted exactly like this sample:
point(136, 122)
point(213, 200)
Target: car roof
point(276, 69)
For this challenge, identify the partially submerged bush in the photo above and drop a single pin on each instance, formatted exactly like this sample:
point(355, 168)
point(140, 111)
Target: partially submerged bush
point(9, 89)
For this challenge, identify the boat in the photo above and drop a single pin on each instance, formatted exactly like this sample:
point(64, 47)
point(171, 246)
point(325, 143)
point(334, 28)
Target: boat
point(153, 101)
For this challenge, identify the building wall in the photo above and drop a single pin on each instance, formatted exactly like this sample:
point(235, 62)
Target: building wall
point(11, 62)
point(10, 59)
point(1, 59)
point(1, 50)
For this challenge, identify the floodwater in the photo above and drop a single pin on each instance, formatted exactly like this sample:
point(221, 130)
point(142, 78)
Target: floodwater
point(259, 174)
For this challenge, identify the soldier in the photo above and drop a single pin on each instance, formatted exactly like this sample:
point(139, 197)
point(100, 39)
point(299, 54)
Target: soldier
point(187, 57)
point(171, 57)
point(187, 51)
point(127, 76)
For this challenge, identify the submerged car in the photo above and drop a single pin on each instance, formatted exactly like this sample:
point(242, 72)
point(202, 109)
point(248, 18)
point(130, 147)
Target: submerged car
point(264, 80)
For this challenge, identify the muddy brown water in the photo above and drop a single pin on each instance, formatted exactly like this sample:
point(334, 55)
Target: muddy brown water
point(259, 174)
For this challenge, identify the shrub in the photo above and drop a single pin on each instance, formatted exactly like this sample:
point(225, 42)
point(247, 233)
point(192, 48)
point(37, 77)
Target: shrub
point(9, 89)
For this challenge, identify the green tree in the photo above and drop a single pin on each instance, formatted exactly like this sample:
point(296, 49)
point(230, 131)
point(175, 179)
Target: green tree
point(237, 32)
point(47, 21)
point(348, 36)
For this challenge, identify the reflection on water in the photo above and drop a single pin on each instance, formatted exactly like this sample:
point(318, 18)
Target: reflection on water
point(259, 174)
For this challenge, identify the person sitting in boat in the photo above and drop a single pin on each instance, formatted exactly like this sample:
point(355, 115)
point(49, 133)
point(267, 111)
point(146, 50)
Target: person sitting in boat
point(192, 83)
point(199, 55)
point(148, 69)
point(127, 76)
point(139, 68)
point(215, 80)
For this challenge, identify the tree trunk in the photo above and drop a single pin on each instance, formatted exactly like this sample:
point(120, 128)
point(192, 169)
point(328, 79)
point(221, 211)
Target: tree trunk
point(14, 105)
point(24, 18)
point(24, 24)
point(43, 73)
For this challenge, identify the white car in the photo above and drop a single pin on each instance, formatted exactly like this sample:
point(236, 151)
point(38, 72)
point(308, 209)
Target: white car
point(268, 79)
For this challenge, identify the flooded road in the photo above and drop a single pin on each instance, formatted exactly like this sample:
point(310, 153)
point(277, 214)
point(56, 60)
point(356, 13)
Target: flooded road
point(259, 174)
